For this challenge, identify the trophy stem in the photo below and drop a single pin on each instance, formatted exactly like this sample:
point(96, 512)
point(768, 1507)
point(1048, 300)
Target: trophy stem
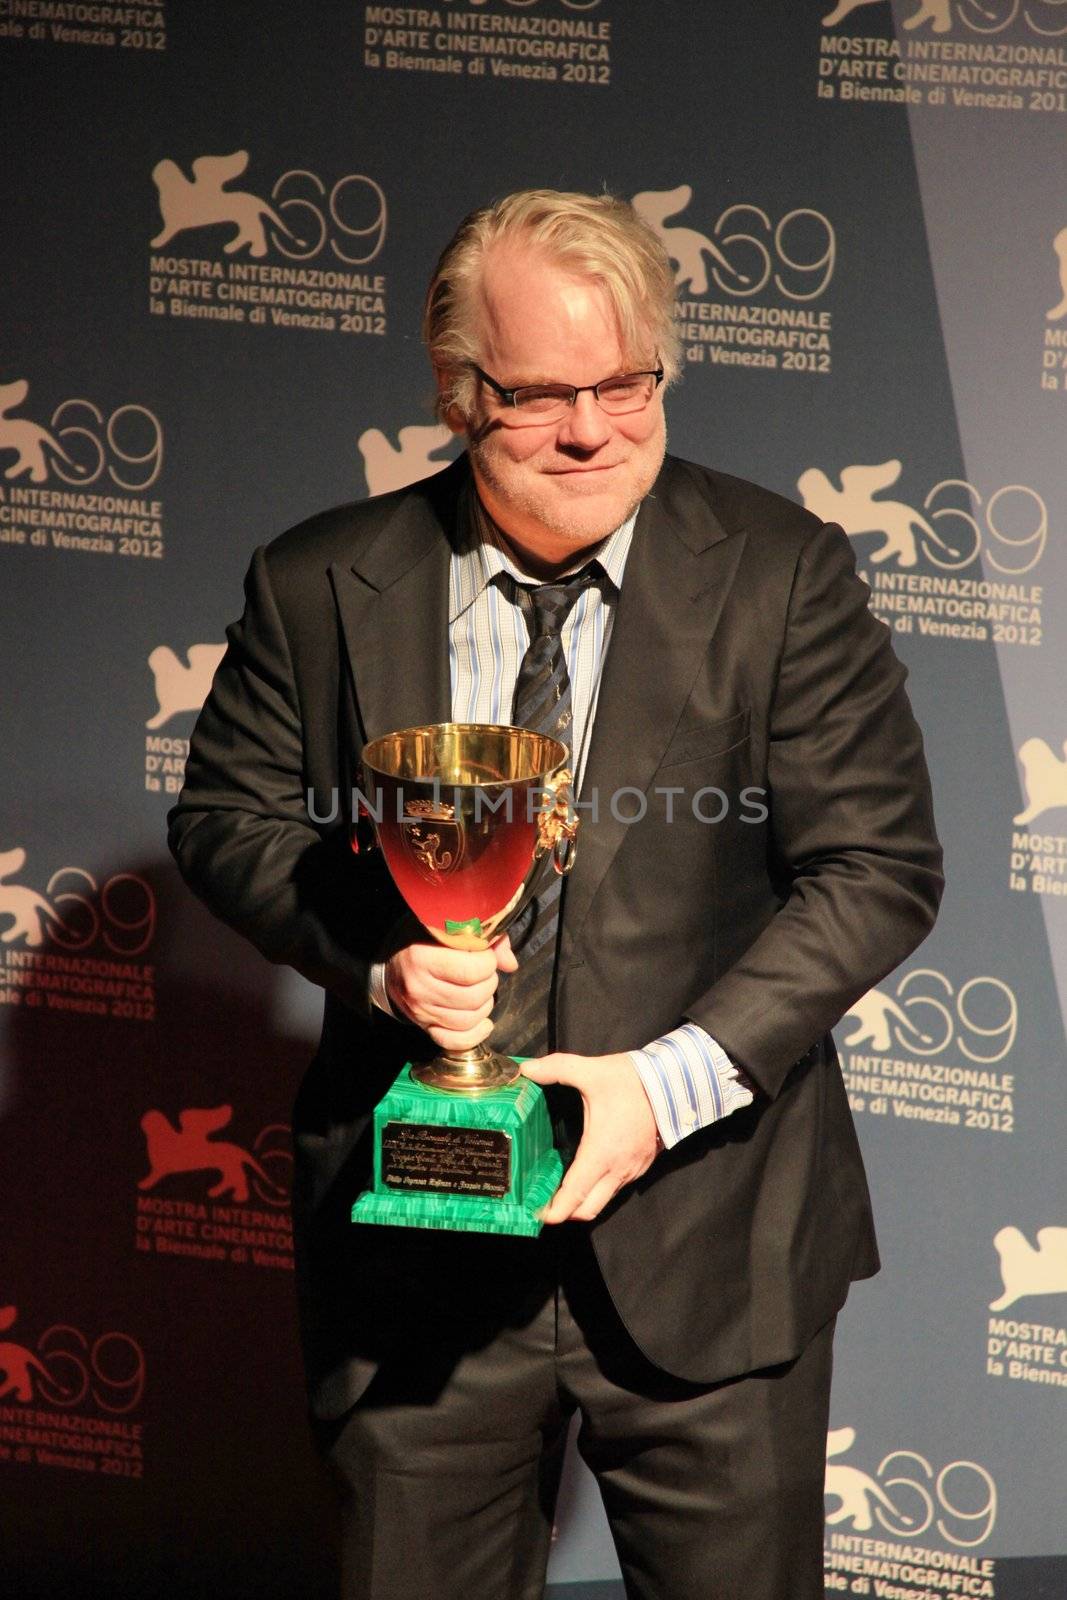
point(476, 1071)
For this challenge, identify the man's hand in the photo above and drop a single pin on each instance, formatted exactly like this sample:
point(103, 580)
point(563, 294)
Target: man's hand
point(448, 993)
point(619, 1139)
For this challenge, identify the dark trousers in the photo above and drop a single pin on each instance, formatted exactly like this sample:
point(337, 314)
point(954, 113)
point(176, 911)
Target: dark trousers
point(450, 1464)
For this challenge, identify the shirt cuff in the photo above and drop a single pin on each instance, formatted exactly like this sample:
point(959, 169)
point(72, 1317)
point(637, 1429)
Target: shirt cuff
point(690, 1082)
point(376, 990)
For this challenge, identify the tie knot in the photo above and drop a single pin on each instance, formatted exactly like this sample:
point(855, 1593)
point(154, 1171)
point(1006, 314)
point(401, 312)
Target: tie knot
point(547, 606)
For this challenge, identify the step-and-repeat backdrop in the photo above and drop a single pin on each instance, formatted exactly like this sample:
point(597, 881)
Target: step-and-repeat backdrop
point(218, 221)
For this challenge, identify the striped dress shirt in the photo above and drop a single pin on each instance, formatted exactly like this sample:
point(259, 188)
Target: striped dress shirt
point(689, 1079)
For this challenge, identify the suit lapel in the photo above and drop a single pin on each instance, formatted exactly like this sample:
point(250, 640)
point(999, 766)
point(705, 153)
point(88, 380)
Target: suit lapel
point(678, 573)
point(393, 604)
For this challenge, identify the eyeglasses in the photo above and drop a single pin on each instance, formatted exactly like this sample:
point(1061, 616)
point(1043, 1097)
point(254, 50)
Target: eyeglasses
point(549, 402)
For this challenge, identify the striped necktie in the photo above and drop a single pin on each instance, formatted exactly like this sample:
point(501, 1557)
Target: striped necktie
point(542, 703)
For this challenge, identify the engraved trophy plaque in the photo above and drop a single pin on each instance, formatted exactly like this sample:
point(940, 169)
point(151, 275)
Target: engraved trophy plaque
point(472, 818)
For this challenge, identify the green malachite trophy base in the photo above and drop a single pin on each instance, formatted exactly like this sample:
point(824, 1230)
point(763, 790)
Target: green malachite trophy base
point(499, 1150)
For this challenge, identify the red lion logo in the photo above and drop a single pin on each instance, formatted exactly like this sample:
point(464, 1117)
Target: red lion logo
point(190, 1148)
point(17, 1364)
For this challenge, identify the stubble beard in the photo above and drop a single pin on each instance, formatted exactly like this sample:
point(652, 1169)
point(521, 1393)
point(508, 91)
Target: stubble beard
point(562, 521)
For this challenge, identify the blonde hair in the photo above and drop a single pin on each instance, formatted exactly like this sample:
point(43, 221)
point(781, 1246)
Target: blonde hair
point(594, 236)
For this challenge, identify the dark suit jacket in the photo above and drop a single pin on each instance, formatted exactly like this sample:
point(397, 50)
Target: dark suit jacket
point(743, 656)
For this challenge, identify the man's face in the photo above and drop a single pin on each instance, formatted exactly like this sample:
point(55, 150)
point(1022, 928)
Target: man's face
point(557, 488)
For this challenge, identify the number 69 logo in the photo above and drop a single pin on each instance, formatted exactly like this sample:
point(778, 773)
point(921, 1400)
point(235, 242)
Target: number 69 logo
point(1012, 525)
point(110, 1369)
point(126, 446)
point(121, 911)
point(928, 1014)
point(351, 217)
point(982, 1016)
point(1044, 17)
point(906, 1496)
point(961, 1498)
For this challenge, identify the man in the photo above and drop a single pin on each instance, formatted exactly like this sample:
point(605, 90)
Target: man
point(757, 851)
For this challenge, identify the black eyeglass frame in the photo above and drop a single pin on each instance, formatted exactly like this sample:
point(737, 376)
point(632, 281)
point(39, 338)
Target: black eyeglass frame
point(508, 396)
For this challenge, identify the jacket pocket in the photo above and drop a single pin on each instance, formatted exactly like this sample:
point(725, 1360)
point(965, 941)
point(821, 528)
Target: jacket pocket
point(700, 739)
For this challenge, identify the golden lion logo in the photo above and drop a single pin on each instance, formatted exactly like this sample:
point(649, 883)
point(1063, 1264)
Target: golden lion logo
point(203, 201)
point(938, 13)
point(31, 443)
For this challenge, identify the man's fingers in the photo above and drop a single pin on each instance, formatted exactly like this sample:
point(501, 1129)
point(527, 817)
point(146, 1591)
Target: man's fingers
point(579, 1181)
point(596, 1199)
point(442, 988)
point(506, 959)
point(467, 997)
point(619, 1139)
point(583, 1201)
point(459, 1020)
point(461, 967)
point(548, 1069)
point(450, 1039)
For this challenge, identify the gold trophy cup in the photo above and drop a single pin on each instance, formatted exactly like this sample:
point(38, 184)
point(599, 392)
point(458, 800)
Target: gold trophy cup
point(472, 818)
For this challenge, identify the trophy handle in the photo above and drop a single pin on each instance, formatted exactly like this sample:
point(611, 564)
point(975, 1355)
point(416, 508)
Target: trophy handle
point(362, 835)
point(557, 826)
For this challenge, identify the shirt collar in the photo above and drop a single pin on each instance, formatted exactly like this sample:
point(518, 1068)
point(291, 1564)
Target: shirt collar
point(481, 554)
